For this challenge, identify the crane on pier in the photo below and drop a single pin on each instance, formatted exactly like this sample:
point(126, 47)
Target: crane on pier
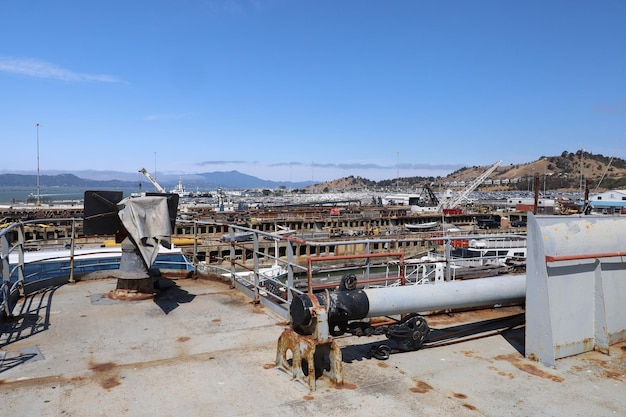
point(152, 180)
point(453, 202)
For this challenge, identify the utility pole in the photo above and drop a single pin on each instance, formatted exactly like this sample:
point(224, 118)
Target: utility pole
point(38, 184)
point(398, 169)
point(580, 187)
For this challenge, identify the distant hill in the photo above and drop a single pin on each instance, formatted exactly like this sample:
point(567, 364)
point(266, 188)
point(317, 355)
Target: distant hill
point(61, 180)
point(562, 172)
point(237, 180)
point(342, 184)
point(204, 181)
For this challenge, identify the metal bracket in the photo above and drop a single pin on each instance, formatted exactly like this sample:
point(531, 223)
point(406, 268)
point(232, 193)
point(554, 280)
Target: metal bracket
point(311, 355)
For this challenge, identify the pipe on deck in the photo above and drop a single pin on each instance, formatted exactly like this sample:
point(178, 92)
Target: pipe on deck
point(343, 306)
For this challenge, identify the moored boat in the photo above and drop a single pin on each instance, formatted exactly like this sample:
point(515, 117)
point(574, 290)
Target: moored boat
point(48, 263)
point(421, 226)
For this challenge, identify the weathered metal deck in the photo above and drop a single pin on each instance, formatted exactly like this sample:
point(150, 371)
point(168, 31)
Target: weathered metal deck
point(202, 348)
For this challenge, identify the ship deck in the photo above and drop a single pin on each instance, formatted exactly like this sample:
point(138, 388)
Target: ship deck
point(202, 348)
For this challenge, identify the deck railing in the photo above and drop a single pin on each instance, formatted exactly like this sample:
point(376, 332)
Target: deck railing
point(267, 277)
point(254, 272)
point(20, 278)
point(14, 279)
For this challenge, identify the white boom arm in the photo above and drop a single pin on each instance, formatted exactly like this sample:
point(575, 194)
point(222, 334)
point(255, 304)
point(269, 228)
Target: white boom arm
point(152, 180)
point(471, 187)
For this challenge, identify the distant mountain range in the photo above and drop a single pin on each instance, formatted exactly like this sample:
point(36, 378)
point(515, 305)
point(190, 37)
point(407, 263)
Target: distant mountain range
point(110, 179)
point(558, 172)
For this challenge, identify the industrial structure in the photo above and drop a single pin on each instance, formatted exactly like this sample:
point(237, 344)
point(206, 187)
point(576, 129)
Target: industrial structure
point(570, 295)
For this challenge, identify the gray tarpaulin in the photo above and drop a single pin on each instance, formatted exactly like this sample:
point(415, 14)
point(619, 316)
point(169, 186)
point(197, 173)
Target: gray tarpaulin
point(148, 223)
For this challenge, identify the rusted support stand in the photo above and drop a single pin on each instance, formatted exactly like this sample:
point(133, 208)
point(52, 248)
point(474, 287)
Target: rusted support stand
point(311, 355)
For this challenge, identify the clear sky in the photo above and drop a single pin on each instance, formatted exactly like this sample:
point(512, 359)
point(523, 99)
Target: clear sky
point(308, 90)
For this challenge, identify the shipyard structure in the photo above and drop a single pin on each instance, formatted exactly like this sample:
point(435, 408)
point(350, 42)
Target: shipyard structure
point(206, 232)
point(321, 276)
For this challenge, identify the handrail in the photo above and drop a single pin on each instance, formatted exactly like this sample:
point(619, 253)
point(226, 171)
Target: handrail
point(275, 288)
point(550, 258)
point(10, 290)
point(13, 283)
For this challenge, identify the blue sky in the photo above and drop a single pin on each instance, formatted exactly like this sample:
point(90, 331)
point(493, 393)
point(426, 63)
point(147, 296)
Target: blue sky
point(308, 90)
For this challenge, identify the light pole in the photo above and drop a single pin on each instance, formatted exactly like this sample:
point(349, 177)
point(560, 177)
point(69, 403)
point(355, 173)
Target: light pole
point(580, 187)
point(38, 186)
point(398, 170)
